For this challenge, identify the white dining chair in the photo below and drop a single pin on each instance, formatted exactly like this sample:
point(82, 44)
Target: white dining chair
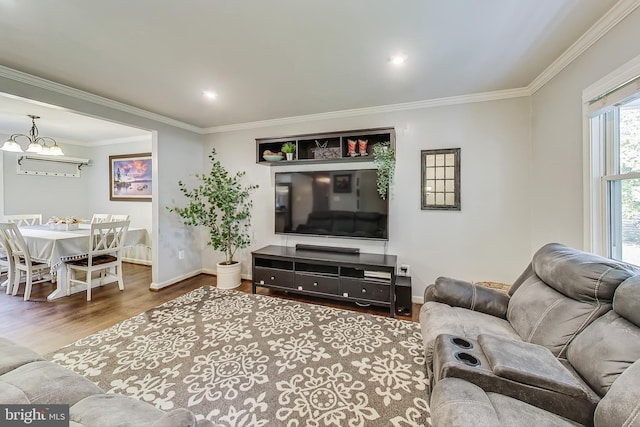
point(116, 217)
point(22, 261)
point(24, 219)
point(105, 250)
point(98, 218)
point(6, 263)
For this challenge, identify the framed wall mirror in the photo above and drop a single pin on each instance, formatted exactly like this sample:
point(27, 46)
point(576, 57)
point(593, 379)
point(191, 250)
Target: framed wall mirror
point(440, 180)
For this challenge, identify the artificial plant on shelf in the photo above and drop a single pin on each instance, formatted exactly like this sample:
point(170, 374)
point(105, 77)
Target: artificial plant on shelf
point(384, 159)
point(222, 204)
point(288, 148)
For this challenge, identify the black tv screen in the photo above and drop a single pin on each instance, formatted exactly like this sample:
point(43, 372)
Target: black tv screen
point(335, 203)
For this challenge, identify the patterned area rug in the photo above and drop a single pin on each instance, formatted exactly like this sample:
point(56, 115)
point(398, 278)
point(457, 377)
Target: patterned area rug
point(253, 360)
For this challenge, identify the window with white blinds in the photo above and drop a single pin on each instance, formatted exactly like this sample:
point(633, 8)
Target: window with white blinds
point(615, 144)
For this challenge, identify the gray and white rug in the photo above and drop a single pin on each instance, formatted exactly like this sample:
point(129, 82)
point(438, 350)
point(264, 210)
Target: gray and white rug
point(252, 360)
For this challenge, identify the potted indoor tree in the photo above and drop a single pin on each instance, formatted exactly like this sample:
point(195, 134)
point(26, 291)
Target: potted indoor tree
point(384, 158)
point(221, 203)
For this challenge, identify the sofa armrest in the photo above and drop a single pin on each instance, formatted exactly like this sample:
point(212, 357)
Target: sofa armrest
point(528, 363)
point(428, 293)
point(459, 293)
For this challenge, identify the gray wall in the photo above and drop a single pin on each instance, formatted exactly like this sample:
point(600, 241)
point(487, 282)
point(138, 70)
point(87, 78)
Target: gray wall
point(557, 163)
point(47, 195)
point(487, 240)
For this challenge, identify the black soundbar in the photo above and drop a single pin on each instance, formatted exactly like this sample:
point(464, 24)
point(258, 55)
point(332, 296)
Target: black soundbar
point(317, 248)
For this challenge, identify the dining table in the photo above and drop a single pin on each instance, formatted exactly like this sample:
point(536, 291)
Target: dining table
point(55, 247)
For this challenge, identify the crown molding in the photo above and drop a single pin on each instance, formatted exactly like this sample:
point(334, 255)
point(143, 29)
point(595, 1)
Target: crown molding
point(112, 141)
point(616, 14)
point(429, 103)
point(29, 79)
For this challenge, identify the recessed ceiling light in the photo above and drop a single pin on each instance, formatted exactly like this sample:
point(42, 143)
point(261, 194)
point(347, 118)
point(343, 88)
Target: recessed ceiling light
point(398, 59)
point(209, 94)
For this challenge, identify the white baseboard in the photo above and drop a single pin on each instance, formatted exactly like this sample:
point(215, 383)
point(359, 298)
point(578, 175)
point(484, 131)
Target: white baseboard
point(212, 272)
point(157, 286)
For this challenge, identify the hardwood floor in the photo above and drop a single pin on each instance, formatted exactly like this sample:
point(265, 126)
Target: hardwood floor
point(45, 326)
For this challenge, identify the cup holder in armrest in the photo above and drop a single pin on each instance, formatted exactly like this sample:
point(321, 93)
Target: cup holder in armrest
point(467, 359)
point(461, 342)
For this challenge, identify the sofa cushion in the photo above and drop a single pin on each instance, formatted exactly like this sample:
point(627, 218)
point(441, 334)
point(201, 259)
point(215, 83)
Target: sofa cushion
point(626, 301)
point(438, 318)
point(579, 275)
point(456, 402)
point(544, 316)
point(515, 413)
point(604, 350)
point(621, 405)
point(10, 394)
point(48, 383)
point(13, 355)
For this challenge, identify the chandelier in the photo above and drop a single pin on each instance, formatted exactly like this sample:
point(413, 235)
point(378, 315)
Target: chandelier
point(37, 144)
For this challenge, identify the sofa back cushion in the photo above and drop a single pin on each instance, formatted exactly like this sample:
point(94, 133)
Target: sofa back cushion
point(320, 220)
point(368, 223)
point(580, 275)
point(544, 316)
point(13, 355)
point(343, 222)
point(611, 344)
point(621, 405)
point(561, 292)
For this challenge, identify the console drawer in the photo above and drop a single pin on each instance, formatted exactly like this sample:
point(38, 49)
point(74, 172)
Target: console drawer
point(364, 290)
point(273, 276)
point(316, 283)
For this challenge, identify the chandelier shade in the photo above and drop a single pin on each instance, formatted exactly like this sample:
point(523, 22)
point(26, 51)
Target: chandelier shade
point(35, 143)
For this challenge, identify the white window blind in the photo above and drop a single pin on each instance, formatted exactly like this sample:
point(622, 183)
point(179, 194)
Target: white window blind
point(622, 94)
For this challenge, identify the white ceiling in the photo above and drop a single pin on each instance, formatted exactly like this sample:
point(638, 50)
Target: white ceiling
point(284, 58)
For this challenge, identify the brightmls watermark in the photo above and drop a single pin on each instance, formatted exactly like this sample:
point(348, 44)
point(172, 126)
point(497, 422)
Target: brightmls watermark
point(34, 415)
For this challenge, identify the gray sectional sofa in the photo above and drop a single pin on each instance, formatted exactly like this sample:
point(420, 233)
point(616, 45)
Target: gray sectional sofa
point(561, 348)
point(26, 378)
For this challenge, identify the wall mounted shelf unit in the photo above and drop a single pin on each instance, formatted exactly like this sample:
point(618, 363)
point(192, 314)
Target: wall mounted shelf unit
point(309, 146)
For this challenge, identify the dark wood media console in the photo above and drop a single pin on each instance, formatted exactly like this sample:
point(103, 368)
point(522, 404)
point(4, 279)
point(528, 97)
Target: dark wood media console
point(340, 276)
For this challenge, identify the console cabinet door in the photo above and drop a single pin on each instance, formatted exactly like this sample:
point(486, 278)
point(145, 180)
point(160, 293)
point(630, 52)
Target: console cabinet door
point(317, 283)
point(361, 289)
point(273, 276)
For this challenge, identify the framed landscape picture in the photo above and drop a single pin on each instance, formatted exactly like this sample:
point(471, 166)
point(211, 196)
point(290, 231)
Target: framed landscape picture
point(342, 183)
point(130, 177)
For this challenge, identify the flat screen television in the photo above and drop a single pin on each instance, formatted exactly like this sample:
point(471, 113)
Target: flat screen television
point(337, 203)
